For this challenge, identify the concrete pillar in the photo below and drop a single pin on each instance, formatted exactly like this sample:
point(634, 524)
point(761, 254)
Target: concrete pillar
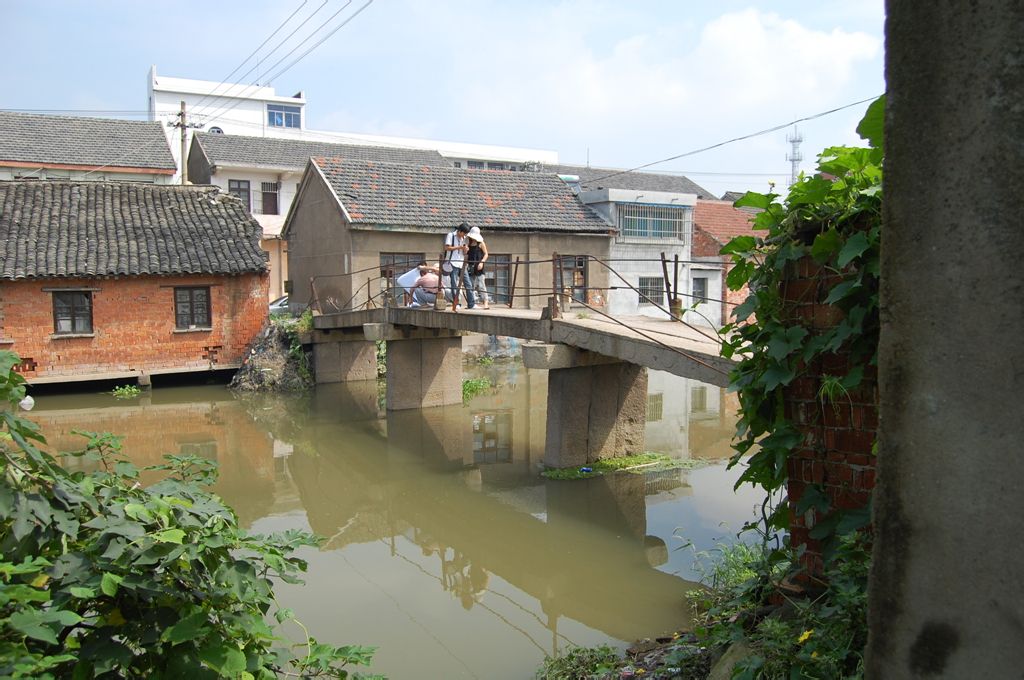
point(345, 360)
point(945, 598)
point(424, 372)
point(597, 405)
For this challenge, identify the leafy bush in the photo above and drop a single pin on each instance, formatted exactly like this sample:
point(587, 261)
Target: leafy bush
point(102, 576)
point(580, 663)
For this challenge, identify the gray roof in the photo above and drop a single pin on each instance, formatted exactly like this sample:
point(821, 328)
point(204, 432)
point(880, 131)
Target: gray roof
point(65, 229)
point(615, 178)
point(387, 193)
point(239, 150)
point(67, 140)
point(733, 196)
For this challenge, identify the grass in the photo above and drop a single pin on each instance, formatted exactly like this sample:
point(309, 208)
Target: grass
point(474, 386)
point(126, 391)
point(648, 461)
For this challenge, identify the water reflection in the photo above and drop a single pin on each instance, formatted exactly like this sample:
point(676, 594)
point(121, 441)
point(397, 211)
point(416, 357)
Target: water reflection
point(443, 545)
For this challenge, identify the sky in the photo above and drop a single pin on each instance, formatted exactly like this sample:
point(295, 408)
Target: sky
point(618, 84)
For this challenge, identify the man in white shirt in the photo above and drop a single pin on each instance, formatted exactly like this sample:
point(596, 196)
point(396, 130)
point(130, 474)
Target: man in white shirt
point(455, 253)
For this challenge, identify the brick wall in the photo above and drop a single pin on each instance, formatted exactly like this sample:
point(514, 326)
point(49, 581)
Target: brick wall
point(133, 326)
point(707, 246)
point(836, 450)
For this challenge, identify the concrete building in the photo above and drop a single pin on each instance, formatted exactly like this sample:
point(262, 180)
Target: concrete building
point(652, 214)
point(107, 280)
point(254, 110)
point(39, 147)
point(356, 224)
point(264, 173)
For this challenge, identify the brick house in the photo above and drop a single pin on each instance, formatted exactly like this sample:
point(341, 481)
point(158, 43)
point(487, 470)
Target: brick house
point(356, 224)
point(106, 280)
point(715, 223)
point(34, 147)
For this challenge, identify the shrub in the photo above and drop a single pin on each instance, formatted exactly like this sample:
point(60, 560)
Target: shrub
point(100, 576)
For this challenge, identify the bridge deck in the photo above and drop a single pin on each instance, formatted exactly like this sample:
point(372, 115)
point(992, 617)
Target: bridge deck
point(663, 345)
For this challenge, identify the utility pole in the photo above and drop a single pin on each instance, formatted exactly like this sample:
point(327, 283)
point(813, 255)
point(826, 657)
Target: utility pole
point(183, 125)
point(184, 137)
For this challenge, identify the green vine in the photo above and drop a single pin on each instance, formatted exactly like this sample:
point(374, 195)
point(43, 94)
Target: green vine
point(828, 228)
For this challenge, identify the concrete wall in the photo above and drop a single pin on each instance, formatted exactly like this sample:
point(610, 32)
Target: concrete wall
point(319, 247)
point(945, 596)
point(133, 326)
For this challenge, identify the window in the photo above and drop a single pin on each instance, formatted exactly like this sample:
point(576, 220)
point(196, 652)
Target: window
point(498, 277)
point(72, 312)
point(279, 115)
point(655, 407)
point(698, 398)
point(192, 307)
point(572, 275)
point(215, 130)
point(393, 265)
point(268, 196)
point(492, 437)
point(652, 290)
point(458, 164)
point(496, 166)
point(475, 165)
point(655, 221)
point(240, 188)
point(700, 289)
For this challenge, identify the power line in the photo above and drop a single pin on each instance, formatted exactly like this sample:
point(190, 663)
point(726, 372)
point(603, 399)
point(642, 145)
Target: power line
point(253, 53)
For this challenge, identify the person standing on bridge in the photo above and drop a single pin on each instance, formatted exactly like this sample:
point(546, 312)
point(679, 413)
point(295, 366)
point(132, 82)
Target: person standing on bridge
point(475, 258)
point(454, 265)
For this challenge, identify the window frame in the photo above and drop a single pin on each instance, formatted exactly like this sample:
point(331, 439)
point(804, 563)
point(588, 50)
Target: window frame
point(389, 263)
point(578, 265)
point(702, 298)
point(648, 222)
point(498, 277)
point(85, 311)
point(270, 198)
point(193, 325)
point(284, 116)
point(645, 285)
point(238, 187)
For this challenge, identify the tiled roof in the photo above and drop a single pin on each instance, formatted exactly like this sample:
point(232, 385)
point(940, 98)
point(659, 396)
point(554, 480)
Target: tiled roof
point(613, 178)
point(386, 193)
point(270, 152)
point(34, 138)
point(732, 196)
point(722, 221)
point(62, 229)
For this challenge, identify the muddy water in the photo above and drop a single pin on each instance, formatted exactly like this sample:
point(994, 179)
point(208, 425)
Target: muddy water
point(444, 547)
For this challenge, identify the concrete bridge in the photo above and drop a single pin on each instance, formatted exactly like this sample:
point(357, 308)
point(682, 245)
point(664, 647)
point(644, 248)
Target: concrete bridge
point(597, 383)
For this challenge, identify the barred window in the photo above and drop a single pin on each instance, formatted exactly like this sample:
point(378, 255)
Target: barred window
point(655, 221)
point(652, 290)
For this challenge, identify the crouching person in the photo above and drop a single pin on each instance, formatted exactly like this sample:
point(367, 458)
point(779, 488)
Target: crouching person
point(426, 287)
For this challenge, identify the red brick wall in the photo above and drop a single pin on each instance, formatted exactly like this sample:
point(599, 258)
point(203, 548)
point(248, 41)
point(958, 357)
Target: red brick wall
point(705, 245)
point(838, 437)
point(133, 325)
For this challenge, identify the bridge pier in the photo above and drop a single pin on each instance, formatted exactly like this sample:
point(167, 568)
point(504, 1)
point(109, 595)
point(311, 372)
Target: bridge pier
point(343, 357)
point(597, 405)
point(424, 365)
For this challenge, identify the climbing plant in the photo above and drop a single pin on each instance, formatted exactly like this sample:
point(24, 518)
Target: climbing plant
point(832, 220)
point(102, 576)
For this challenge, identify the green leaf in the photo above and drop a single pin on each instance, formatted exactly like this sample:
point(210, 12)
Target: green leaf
point(841, 290)
point(825, 244)
point(223, 658)
point(188, 628)
point(872, 126)
point(777, 374)
point(784, 342)
point(83, 593)
point(854, 247)
point(739, 275)
point(753, 199)
point(169, 536)
point(109, 584)
point(33, 624)
point(739, 244)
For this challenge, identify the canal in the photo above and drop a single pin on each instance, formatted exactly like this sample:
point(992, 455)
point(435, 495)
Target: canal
point(444, 546)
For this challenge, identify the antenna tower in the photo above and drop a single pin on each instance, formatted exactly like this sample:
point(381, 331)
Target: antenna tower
point(794, 157)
